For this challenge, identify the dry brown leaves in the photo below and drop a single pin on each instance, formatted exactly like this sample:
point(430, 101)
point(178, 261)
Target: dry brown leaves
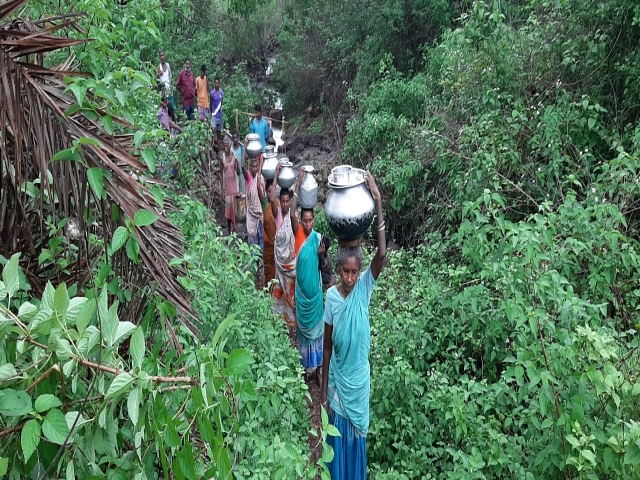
point(33, 128)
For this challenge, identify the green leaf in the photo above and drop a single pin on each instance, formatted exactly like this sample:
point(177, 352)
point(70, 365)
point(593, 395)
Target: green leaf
point(133, 405)
point(14, 403)
point(632, 454)
point(238, 362)
point(119, 385)
point(589, 455)
point(158, 195)
point(533, 324)
point(121, 97)
point(71, 471)
point(636, 389)
point(30, 438)
point(575, 443)
point(120, 236)
point(144, 217)
point(7, 371)
point(547, 423)
point(107, 123)
point(171, 437)
point(221, 329)
point(46, 401)
point(591, 122)
point(55, 427)
point(47, 296)
point(88, 141)
point(10, 275)
point(79, 92)
point(224, 462)
point(63, 349)
point(71, 154)
point(138, 137)
point(110, 324)
point(137, 347)
point(123, 329)
point(149, 157)
point(332, 430)
point(80, 312)
point(133, 250)
point(94, 175)
point(327, 454)
point(72, 109)
point(27, 310)
point(4, 465)
point(70, 417)
point(61, 299)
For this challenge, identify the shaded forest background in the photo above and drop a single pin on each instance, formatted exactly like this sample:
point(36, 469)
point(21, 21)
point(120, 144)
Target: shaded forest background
point(505, 138)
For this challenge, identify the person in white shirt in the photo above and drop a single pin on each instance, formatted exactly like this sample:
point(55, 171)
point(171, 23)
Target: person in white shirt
point(163, 74)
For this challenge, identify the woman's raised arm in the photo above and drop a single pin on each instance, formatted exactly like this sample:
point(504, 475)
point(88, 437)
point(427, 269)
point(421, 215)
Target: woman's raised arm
point(377, 264)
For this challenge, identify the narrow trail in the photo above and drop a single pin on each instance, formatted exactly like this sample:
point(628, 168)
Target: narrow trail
point(315, 415)
point(213, 198)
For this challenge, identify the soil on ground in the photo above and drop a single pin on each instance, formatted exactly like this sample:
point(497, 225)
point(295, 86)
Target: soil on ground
point(315, 415)
point(302, 149)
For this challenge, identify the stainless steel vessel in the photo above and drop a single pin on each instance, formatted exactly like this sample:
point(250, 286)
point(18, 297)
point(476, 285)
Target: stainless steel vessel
point(308, 189)
point(269, 165)
point(254, 147)
point(349, 208)
point(286, 177)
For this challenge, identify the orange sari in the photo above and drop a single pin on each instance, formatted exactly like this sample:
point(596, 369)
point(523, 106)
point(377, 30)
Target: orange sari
point(269, 226)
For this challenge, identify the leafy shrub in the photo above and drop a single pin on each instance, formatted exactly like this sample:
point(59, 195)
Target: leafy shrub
point(73, 374)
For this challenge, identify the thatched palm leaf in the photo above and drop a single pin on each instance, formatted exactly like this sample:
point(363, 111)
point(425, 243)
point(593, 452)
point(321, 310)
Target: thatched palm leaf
point(33, 128)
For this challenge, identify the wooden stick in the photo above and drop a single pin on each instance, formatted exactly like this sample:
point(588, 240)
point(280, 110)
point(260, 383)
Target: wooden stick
point(268, 118)
point(237, 124)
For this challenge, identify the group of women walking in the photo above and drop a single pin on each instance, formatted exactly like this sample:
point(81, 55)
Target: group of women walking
point(333, 334)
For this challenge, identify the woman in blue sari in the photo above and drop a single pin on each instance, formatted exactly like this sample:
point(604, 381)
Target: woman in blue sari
point(347, 338)
point(309, 303)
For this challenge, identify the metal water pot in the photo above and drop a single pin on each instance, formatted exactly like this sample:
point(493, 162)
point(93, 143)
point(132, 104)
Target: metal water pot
point(269, 165)
point(349, 208)
point(308, 189)
point(286, 177)
point(254, 147)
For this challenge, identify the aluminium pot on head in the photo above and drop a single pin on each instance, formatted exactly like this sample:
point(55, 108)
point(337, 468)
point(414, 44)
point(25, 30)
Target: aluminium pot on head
point(349, 208)
point(254, 147)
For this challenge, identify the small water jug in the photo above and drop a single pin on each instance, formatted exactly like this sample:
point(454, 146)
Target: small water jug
point(308, 189)
point(254, 147)
point(286, 177)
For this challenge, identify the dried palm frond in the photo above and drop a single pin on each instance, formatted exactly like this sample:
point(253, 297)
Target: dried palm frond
point(33, 128)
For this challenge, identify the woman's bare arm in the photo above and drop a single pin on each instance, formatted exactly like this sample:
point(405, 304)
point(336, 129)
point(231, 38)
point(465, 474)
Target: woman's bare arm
point(377, 264)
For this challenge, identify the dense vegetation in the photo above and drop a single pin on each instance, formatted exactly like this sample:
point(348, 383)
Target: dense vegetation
point(505, 341)
point(504, 335)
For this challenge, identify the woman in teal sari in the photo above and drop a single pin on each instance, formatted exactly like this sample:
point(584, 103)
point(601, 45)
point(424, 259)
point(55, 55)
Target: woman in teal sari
point(347, 338)
point(309, 304)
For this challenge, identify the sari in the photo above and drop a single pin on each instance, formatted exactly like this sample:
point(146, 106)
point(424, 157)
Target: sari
point(230, 187)
point(349, 377)
point(254, 210)
point(285, 259)
point(309, 309)
point(270, 226)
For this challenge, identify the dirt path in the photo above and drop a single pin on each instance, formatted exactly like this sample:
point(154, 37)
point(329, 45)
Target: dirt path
point(315, 416)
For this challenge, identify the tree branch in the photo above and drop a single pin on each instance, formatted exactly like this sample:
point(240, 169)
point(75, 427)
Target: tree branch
point(155, 378)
